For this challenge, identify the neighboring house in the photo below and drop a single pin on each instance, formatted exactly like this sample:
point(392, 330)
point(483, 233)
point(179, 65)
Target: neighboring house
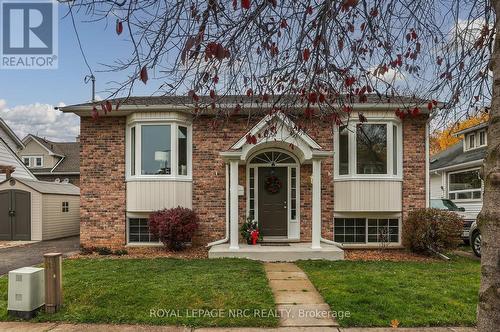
point(52, 161)
point(314, 187)
point(31, 209)
point(454, 172)
point(9, 143)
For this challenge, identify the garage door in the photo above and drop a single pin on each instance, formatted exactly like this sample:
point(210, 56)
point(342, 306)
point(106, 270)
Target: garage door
point(15, 215)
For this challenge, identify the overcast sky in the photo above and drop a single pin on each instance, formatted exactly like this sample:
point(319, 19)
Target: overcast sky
point(28, 97)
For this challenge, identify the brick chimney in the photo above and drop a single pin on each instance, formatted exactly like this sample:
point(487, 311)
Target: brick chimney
point(8, 170)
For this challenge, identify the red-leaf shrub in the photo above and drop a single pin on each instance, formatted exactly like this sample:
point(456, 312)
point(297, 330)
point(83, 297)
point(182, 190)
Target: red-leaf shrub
point(434, 229)
point(174, 227)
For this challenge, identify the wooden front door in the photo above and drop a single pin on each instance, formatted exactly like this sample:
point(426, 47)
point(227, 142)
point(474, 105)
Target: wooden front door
point(273, 201)
point(15, 215)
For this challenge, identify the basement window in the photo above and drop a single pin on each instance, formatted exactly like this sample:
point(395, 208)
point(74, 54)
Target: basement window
point(138, 231)
point(366, 230)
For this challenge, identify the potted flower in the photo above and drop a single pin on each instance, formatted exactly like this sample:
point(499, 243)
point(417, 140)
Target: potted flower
point(250, 231)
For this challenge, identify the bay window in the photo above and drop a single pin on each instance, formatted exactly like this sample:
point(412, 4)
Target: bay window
point(464, 185)
point(157, 150)
point(370, 149)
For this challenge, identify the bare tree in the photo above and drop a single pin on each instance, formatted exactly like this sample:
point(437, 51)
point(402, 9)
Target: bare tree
point(327, 55)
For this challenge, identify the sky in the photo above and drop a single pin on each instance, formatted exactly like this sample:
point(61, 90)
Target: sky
point(28, 97)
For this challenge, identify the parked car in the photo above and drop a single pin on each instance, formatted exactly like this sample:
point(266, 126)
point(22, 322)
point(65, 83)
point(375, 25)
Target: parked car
point(475, 239)
point(448, 205)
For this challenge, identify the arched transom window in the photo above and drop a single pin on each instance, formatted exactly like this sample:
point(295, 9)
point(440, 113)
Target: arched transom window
point(273, 158)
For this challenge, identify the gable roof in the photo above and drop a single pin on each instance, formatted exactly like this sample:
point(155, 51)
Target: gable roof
point(45, 187)
point(455, 155)
point(9, 158)
point(68, 151)
point(10, 133)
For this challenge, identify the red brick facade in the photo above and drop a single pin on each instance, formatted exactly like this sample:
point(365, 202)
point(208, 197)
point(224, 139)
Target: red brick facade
point(103, 196)
point(102, 175)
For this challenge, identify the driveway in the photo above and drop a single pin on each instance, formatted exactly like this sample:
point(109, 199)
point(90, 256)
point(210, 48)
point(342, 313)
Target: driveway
point(32, 254)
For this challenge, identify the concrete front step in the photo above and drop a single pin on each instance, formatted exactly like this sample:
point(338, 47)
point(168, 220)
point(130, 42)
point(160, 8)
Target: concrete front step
point(289, 253)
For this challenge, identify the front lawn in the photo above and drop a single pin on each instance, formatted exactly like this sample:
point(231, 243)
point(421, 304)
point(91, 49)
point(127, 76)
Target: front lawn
point(135, 290)
point(413, 293)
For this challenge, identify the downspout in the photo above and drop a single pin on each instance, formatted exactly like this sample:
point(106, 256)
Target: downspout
point(427, 166)
point(340, 245)
point(226, 238)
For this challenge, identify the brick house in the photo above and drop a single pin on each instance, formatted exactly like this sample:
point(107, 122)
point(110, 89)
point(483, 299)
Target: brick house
point(314, 190)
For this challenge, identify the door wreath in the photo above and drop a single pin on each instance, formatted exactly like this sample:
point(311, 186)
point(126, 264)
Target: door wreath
point(272, 184)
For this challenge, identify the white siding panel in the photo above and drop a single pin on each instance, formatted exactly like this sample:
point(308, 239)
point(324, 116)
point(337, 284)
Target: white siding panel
point(148, 196)
point(57, 224)
point(7, 157)
point(36, 208)
point(359, 196)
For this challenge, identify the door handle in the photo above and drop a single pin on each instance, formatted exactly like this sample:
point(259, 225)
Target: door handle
point(12, 213)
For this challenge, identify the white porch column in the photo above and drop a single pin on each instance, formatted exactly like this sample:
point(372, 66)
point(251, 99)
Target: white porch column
point(316, 204)
point(233, 204)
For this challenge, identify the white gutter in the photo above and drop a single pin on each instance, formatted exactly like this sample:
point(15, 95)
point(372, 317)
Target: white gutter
point(226, 238)
point(473, 163)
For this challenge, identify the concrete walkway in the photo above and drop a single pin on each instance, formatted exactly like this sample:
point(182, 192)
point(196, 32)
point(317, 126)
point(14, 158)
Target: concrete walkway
point(298, 302)
point(63, 327)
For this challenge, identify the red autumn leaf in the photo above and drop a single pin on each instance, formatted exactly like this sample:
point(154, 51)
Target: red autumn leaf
point(245, 4)
point(109, 107)
point(144, 75)
point(414, 34)
point(212, 94)
point(95, 113)
point(349, 3)
point(193, 95)
point(350, 81)
point(429, 106)
point(340, 43)
point(103, 107)
point(249, 92)
point(117, 106)
point(284, 24)
point(119, 27)
point(362, 117)
point(308, 112)
point(215, 79)
point(374, 12)
point(312, 97)
point(265, 97)
point(235, 4)
point(306, 54)
point(439, 61)
point(322, 98)
point(309, 10)
point(415, 111)
point(434, 102)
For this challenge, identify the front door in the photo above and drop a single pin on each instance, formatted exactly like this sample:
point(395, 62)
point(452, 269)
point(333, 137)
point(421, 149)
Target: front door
point(15, 215)
point(273, 196)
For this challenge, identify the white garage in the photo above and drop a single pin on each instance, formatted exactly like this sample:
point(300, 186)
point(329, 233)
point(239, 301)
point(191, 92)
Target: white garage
point(38, 210)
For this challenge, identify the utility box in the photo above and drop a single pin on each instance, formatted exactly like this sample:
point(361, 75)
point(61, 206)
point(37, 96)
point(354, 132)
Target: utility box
point(26, 292)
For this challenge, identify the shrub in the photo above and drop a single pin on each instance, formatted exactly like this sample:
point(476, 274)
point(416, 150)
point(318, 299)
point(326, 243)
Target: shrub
point(173, 227)
point(104, 251)
point(120, 252)
point(86, 250)
point(432, 229)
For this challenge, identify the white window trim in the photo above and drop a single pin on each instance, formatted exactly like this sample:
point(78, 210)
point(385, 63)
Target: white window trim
point(477, 144)
point(174, 151)
point(138, 244)
point(32, 160)
point(353, 155)
point(367, 216)
point(448, 191)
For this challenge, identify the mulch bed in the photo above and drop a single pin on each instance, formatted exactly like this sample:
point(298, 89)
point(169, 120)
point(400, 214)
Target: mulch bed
point(394, 255)
point(198, 252)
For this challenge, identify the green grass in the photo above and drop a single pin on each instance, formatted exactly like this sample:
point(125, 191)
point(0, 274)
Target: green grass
point(124, 291)
point(414, 293)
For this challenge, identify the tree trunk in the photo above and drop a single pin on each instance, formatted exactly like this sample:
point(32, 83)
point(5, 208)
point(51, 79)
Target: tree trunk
point(489, 218)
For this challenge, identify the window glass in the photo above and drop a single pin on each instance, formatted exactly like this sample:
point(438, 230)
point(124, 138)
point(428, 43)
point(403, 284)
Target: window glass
point(371, 148)
point(482, 138)
point(344, 152)
point(156, 149)
point(472, 141)
point(26, 161)
point(132, 149)
point(350, 230)
point(465, 180)
point(182, 134)
point(38, 161)
point(394, 150)
point(251, 210)
point(138, 231)
point(65, 206)
point(293, 198)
